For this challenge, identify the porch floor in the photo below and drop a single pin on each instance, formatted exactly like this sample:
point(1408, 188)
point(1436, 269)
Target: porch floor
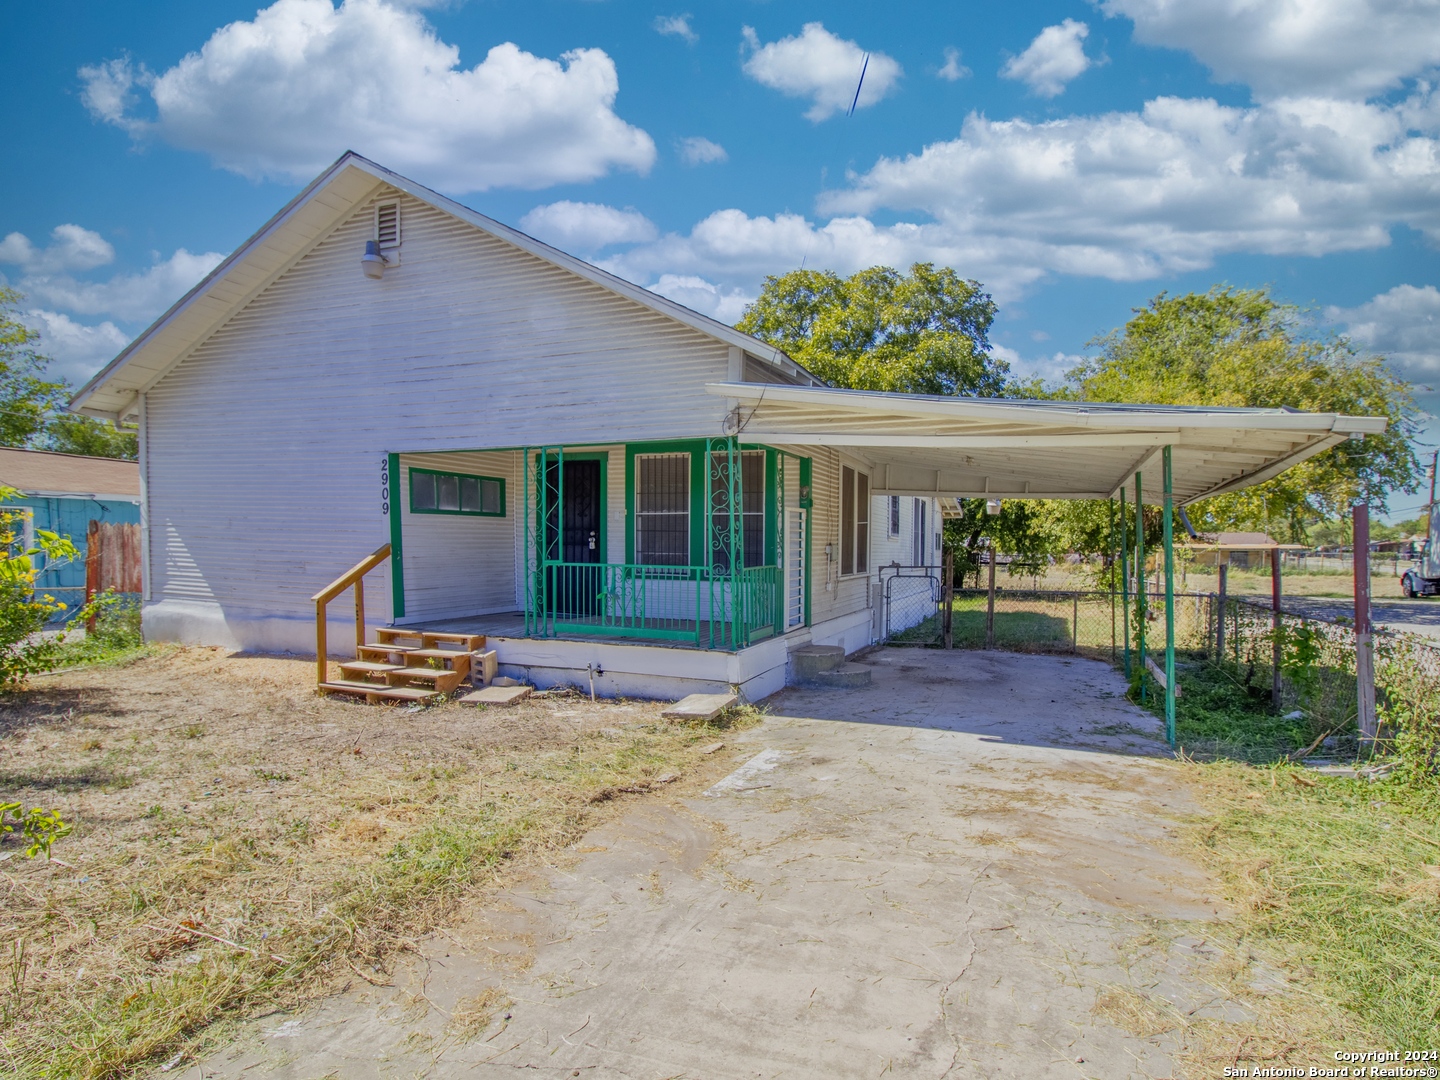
point(511, 624)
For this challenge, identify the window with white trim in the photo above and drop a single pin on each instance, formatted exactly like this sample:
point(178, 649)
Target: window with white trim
point(921, 543)
point(854, 521)
point(894, 508)
point(662, 509)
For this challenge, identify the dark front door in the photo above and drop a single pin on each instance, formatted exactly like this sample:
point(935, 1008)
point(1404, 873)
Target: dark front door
point(572, 537)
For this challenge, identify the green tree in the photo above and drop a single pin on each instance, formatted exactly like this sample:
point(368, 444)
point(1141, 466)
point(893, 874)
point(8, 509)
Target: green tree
point(32, 405)
point(924, 332)
point(27, 399)
point(1241, 348)
point(71, 433)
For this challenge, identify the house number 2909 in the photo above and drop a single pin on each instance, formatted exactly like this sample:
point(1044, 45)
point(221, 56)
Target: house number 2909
point(385, 487)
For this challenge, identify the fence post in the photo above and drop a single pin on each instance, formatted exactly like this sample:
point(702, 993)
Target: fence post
point(1075, 622)
point(990, 602)
point(1364, 644)
point(1223, 570)
point(947, 597)
point(1275, 625)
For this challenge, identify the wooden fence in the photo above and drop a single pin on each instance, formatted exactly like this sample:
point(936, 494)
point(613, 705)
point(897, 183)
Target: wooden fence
point(112, 558)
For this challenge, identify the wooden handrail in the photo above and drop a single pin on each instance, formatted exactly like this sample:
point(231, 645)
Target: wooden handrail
point(354, 576)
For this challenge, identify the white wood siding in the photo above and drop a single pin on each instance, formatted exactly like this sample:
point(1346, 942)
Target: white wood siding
point(455, 564)
point(830, 594)
point(901, 548)
point(265, 445)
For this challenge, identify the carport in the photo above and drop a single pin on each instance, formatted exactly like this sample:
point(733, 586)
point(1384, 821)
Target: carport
point(1001, 449)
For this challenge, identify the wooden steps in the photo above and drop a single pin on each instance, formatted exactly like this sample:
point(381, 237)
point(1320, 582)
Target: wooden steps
point(375, 693)
point(416, 665)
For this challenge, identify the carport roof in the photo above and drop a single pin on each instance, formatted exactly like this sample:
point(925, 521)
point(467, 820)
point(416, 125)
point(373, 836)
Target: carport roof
point(1000, 448)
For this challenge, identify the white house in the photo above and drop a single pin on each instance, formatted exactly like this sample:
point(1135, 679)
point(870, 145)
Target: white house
point(592, 475)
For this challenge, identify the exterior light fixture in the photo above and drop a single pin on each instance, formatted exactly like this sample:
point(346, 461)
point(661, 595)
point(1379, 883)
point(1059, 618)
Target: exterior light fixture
point(992, 507)
point(372, 262)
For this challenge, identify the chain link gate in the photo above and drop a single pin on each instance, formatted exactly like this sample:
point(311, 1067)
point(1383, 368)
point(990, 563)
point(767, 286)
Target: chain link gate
point(909, 605)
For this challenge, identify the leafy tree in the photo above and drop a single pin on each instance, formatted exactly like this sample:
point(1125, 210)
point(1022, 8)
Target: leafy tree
point(1241, 348)
point(71, 433)
point(32, 406)
point(27, 398)
point(918, 333)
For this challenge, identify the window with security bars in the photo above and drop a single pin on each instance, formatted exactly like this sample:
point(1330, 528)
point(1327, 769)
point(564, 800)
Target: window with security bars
point(662, 509)
point(752, 508)
point(854, 521)
point(434, 492)
point(894, 507)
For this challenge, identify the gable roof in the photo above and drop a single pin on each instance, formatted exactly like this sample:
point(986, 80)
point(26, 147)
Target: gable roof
point(114, 392)
point(42, 472)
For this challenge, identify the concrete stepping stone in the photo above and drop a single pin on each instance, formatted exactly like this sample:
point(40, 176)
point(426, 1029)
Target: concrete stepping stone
point(497, 695)
point(700, 706)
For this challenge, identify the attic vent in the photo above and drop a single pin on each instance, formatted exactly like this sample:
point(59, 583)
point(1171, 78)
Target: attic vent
point(387, 225)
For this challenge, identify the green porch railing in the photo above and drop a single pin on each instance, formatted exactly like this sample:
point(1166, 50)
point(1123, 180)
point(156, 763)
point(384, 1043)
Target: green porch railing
point(677, 603)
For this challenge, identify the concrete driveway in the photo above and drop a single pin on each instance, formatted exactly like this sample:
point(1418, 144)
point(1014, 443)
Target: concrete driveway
point(947, 874)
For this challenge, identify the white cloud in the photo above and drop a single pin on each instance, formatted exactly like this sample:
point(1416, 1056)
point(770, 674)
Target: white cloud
point(1124, 196)
point(78, 350)
point(126, 297)
point(698, 151)
point(1402, 325)
point(1335, 48)
point(726, 305)
point(676, 26)
point(817, 65)
point(579, 226)
point(1054, 58)
point(1052, 369)
point(71, 248)
point(285, 94)
point(1130, 196)
point(953, 69)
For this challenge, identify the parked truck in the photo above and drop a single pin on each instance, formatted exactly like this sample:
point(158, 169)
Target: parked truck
point(1423, 579)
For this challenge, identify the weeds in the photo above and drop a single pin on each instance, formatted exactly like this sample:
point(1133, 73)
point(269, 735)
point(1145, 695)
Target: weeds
point(1343, 878)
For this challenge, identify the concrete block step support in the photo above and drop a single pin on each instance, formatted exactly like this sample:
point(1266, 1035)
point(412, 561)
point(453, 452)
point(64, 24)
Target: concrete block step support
point(808, 661)
point(844, 677)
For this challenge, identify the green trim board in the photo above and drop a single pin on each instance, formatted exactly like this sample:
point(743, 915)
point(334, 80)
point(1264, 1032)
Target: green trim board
point(413, 472)
point(397, 561)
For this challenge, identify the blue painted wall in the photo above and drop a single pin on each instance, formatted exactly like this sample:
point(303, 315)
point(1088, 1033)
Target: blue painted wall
point(72, 517)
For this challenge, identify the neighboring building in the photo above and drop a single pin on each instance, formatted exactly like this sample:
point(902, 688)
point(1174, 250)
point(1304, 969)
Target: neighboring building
point(583, 470)
point(64, 493)
point(1242, 550)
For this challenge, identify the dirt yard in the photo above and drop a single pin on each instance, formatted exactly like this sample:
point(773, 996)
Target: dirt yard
point(240, 842)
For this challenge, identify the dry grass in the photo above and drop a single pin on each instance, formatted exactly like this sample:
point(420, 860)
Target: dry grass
point(241, 843)
point(1335, 882)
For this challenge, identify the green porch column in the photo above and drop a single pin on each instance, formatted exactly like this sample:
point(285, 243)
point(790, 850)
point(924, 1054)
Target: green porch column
point(1124, 568)
point(1169, 602)
point(1140, 581)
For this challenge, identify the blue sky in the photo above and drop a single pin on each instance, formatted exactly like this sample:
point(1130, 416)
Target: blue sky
point(1075, 157)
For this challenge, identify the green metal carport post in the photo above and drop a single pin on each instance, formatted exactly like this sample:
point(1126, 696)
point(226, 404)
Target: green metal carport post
point(1140, 582)
point(1125, 580)
point(1169, 602)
